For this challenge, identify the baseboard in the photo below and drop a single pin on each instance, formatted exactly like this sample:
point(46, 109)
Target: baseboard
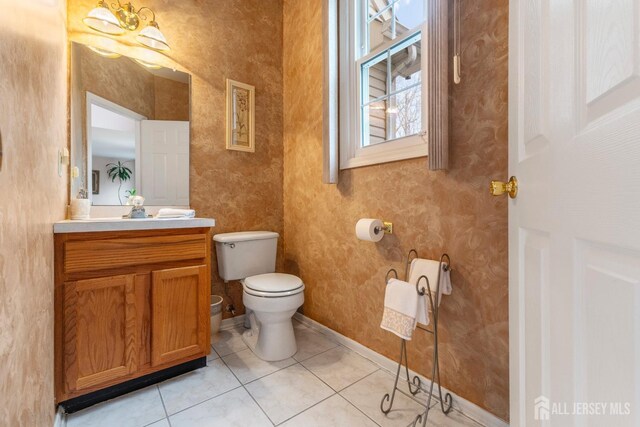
point(232, 322)
point(469, 409)
point(61, 418)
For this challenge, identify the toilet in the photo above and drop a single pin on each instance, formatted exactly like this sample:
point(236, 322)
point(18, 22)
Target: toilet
point(271, 298)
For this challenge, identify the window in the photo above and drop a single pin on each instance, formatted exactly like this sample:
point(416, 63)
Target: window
point(382, 95)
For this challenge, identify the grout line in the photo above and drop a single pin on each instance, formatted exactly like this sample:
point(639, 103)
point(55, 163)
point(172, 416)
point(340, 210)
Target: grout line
point(358, 409)
point(344, 388)
point(323, 381)
point(233, 351)
point(163, 405)
point(322, 352)
point(295, 362)
point(337, 392)
point(361, 379)
point(157, 421)
point(206, 400)
point(247, 391)
point(214, 350)
point(309, 408)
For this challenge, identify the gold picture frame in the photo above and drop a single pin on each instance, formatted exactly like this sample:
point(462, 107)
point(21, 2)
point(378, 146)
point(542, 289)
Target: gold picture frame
point(240, 116)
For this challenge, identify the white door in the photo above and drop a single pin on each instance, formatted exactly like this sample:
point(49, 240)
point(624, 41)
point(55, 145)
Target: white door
point(164, 160)
point(574, 228)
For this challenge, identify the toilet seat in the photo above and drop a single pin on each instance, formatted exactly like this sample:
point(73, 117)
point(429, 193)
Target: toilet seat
point(273, 285)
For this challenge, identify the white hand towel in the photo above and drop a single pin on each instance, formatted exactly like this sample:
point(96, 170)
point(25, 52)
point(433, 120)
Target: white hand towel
point(176, 213)
point(426, 267)
point(400, 307)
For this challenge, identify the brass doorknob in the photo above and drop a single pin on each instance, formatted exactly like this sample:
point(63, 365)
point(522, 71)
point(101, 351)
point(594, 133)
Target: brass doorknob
point(498, 188)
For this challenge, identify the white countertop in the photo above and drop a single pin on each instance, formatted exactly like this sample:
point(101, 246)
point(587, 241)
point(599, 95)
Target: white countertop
point(120, 224)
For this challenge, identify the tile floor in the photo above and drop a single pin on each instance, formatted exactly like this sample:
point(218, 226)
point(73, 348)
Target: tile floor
point(323, 385)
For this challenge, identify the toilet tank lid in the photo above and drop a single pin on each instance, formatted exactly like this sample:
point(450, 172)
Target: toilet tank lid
point(242, 236)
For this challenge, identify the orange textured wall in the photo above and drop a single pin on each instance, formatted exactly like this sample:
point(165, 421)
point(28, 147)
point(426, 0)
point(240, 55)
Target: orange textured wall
point(118, 80)
point(33, 126)
point(171, 100)
point(240, 40)
point(433, 212)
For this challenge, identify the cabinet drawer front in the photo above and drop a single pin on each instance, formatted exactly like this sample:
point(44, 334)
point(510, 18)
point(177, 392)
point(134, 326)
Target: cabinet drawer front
point(94, 255)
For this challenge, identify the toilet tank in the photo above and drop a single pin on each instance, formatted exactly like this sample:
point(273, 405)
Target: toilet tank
point(246, 253)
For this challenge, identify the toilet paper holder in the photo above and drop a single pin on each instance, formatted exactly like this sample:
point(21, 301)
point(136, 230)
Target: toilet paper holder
point(387, 228)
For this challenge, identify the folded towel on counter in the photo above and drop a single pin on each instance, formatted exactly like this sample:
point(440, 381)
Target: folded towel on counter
point(426, 267)
point(400, 308)
point(176, 213)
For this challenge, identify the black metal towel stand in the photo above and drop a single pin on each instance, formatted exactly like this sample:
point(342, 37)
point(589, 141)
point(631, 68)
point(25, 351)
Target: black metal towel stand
point(415, 385)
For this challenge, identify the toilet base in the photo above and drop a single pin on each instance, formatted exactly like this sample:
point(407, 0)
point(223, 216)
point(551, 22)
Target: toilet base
point(271, 336)
point(272, 342)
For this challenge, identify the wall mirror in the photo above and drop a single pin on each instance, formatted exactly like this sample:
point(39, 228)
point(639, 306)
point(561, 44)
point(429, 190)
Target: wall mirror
point(130, 126)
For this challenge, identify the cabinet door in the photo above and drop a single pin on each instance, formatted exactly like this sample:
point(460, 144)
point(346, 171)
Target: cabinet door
point(179, 313)
point(100, 333)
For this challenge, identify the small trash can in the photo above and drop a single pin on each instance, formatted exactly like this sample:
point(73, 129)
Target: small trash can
point(216, 313)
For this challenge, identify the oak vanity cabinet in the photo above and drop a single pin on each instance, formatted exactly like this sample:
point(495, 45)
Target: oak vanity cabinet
point(128, 304)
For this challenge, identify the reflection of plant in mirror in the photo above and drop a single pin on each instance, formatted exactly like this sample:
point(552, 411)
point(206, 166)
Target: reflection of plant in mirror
point(130, 195)
point(120, 171)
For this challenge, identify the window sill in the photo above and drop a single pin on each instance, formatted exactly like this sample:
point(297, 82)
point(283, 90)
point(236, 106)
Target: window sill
point(386, 152)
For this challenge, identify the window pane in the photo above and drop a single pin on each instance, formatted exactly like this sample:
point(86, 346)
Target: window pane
point(374, 94)
point(376, 129)
point(406, 112)
point(379, 23)
point(409, 14)
point(390, 19)
point(391, 101)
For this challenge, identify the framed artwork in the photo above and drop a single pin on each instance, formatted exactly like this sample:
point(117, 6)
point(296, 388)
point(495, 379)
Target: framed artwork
point(95, 182)
point(240, 116)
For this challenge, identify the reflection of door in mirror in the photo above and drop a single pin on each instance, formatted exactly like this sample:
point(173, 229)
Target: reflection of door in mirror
point(164, 156)
point(114, 133)
point(130, 124)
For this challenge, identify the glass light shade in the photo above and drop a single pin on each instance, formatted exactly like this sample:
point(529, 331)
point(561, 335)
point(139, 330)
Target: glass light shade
point(104, 52)
point(152, 37)
point(103, 20)
point(147, 64)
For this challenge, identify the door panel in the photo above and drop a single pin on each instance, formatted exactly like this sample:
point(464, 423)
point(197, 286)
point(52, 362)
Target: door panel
point(180, 315)
point(535, 264)
point(574, 229)
point(608, 323)
point(101, 340)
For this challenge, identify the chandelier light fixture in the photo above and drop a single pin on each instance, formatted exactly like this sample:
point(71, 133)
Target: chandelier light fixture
point(126, 18)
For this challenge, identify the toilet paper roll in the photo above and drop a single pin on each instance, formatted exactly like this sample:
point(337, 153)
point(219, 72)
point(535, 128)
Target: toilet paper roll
point(365, 230)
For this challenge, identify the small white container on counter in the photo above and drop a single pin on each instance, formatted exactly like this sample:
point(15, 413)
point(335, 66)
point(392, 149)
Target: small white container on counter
point(80, 208)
